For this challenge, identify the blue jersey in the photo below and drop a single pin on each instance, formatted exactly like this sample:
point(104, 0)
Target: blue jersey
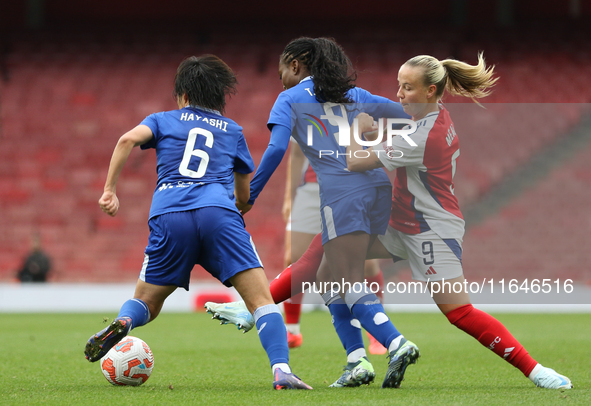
point(198, 150)
point(299, 111)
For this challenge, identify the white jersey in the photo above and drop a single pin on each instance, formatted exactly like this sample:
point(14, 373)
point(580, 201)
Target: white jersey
point(423, 196)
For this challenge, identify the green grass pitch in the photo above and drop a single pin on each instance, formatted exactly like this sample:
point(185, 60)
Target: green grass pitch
point(199, 362)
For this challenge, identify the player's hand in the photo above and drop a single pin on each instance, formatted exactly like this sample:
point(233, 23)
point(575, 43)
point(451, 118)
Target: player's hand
point(109, 203)
point(366, 123)
point(243, 207)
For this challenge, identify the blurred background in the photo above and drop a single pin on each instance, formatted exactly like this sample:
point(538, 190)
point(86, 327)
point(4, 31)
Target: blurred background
point(74, 76)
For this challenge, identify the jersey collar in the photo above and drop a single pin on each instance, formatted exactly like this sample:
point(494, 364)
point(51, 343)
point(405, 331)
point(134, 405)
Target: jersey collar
point(306, 78)
point(205, 109)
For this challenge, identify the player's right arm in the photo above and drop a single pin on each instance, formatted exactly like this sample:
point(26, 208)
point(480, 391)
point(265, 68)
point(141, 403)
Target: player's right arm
point(280, 125)
point(286, 209)
point(141, 134)
point(272, 157)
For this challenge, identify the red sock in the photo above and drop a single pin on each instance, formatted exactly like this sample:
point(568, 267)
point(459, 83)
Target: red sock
point(492, 334)
point(379, 279)
point(293, 309)
point(303, 270)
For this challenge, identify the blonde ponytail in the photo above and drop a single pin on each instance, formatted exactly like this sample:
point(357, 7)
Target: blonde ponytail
point(458, 78)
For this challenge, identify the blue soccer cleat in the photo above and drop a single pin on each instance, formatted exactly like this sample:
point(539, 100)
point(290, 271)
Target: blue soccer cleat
point(99, 344)
point(284, 380)
point(406, 354)
point(231, 313)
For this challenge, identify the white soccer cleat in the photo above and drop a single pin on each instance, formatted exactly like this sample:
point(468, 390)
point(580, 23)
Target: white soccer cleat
point(550, 379)
point(231, 313)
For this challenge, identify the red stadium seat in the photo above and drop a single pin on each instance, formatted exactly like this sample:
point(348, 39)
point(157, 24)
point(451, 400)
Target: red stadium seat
point(89, 90)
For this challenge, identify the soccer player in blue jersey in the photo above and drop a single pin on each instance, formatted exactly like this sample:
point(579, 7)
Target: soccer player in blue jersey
point(203, 166)
point(355, 206)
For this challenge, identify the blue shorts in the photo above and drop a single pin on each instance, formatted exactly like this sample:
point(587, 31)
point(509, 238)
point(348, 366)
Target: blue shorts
point(367, 211)
point(212, 237)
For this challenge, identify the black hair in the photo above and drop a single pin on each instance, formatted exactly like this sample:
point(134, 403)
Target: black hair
point(206, 80)
point(327, 62)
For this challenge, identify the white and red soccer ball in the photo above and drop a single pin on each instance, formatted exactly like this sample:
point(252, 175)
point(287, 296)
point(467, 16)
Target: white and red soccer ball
point(129, 362)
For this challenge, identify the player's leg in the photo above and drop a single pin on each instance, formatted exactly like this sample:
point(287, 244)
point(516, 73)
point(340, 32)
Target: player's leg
point(136, 312)
point(493, 335)
point(289, 282)
point(253, 287)
point(391, 246)
point(292, 310)
point(280, 287)
point(366, 307)
point(439, 260)
point(286, 284)
point(228, 253)
point(358, 370)
point(374, 277)
point(297, 244)
point(153, 296)
point(166, 266)
point(375, 281)
point(346, 254)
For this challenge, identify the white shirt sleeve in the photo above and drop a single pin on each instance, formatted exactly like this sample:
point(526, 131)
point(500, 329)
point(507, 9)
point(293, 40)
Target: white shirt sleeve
point(401, 153)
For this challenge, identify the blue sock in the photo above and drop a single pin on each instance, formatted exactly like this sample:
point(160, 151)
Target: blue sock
point(368, 309)
point(137, 310)
point(347, 327)
point(272, 333)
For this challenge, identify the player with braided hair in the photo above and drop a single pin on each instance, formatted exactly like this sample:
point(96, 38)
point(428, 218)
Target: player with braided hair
point(319, 79)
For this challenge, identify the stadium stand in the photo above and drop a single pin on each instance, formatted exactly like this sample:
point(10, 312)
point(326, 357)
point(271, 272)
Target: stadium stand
point(541, 234)
point(67, 100)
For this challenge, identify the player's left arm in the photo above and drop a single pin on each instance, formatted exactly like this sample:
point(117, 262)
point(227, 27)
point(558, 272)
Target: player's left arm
point(139, 135)
point(368, 160)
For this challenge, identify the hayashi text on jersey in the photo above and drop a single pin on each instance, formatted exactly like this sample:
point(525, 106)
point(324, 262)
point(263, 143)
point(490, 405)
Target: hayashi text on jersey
point(217, 123)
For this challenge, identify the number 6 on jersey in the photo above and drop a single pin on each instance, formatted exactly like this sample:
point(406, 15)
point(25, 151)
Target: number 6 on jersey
point(190, 151)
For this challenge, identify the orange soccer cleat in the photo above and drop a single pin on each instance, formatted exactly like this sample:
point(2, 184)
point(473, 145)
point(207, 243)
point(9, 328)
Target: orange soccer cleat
point(375, 347)
point(294, 340)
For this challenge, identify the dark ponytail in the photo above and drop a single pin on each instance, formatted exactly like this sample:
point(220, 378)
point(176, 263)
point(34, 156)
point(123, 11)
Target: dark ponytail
point(327, 62)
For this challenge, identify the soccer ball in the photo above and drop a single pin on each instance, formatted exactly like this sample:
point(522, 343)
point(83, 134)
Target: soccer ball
point(129, 362)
